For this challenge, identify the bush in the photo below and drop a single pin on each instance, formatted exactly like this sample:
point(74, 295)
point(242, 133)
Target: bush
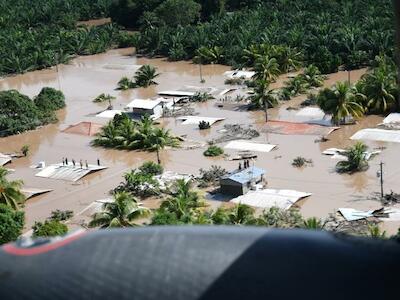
point(139, 184)
point(151, 168)
point(200, 97)
point(11, 224)
point(204, 125)
point(213, 151)
point(61, 215)
point(50, 99)
point(176, 13)
point(49, 228)
point(276, 217)
point(299, 162)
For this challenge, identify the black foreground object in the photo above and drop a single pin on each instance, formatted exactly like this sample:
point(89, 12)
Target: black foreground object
point(160, 263)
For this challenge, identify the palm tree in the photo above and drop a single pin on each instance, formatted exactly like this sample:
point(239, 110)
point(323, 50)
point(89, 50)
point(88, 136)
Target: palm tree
point(159, 139)
point(145, 76)
point(355, 159)
point(103, 98)
point(183, 202)
point(312, 76)
point(125, 83)
point(241, 214)
point(380, 90)
point(340, 102)
point(289, 59)
point(313, 224)
point(266, 68)
point(121, 212)
point(10, 191)
point(264, 97)
point(211, 55)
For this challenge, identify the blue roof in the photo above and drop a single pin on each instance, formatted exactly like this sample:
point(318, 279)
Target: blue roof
point(246, 175)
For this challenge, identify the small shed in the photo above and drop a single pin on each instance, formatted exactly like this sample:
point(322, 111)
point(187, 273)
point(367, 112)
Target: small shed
point(240, 182)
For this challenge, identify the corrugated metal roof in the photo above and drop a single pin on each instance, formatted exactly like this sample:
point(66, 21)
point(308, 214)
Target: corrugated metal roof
point(245, 175)
point(4, 159)
point(144, 104)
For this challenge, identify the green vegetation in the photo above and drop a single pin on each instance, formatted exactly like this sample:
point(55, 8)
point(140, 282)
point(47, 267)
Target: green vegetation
point(49, 99)
point(61, 215)
point(213, 151)
point(375, 232)
point(313, 224)
point(200, 97)
point(144, 77)
point(355, 161)
point(204, 125)
point(126, 134)
point(104, 98)
point(49, 228)
point(211, 176)
point(19, 113)
point(11, 223)
point(151, 168)
point(42, 33)
point(166, 12)
point(123, 211)
point(140, 183)
point(10, 191)
point(25, 150)
point(300, 162)
point(326, 34)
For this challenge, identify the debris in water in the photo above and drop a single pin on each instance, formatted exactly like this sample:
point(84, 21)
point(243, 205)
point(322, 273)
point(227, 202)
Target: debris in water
point(236, 132)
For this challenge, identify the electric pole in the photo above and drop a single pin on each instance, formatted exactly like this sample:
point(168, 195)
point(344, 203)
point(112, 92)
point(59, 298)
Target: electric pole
point(381, 177)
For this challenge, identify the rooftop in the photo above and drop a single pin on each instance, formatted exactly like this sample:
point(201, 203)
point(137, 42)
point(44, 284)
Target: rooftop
point(245, 175)
point(144, 103)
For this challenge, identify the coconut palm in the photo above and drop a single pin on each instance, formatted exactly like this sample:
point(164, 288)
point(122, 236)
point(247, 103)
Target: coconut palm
point(121, 212)
point(125, 83)
point(312, 76)
point(159, 139)
point(103, 98)
point(380, 89)
point(10, 191)
point(184, 201)
point(288, 58)
point(313, 224)
point(264, 97)
point(355, 159)
point(145, 76)
point(340, 102)
point(209, 55)
point(241, 214)
point(266, 68)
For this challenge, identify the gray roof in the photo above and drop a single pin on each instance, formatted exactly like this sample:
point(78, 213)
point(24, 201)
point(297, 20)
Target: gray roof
point(245, 175)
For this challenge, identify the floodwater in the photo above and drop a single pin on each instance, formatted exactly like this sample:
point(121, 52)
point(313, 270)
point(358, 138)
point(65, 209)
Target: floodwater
point(87, 77)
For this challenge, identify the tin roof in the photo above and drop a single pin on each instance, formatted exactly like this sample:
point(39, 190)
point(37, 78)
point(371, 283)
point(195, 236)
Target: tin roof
point(245, 175)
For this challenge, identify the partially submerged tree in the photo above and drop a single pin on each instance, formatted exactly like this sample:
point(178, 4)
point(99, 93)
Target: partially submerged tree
point(213, 151)
point(106, 98)
point(355, 159)
point(49, 228)
point(340, 102)
point(50, 99)
point(11, 223)
point(10, 191)
point(123, 211)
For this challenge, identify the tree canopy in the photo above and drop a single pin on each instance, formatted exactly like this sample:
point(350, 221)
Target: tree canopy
point(11, 223)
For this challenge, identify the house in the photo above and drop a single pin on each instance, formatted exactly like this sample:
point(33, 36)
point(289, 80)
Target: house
point(241, 181)
point(152, 107)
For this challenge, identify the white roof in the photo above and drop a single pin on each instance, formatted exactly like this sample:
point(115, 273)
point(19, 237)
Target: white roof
point(375, 134)
point(311, 112)
point(268, 198)
point(239, 74)
point(195, 120)
point(31, 192)
point(4, 159)
point(336, 153)
point(249, 146)
point(351, 214)
point(177, 93)
point(144, 103)
point(69, 173)
point(109, 113)
point(392, 118)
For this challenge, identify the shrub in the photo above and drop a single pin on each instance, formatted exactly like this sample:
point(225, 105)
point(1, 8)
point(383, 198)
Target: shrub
point(151, 168)
point(201, 97)
point(61, 215)
point(299, 162)
point(213, 151)
point(212, 175)
point(49, 228)
point(50, 99)
point(204, 125)
point(11, 224)
point(25, 150)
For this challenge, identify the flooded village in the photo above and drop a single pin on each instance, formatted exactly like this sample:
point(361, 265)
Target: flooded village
point(86, 77)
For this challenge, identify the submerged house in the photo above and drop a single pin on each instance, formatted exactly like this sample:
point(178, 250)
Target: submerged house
point(152, 107)
point(240, 182)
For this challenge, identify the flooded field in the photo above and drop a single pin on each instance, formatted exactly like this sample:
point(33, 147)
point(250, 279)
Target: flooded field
point(87, 77)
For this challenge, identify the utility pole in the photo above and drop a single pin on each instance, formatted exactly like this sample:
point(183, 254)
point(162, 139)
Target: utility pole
point(381, 178)
point(201, 74)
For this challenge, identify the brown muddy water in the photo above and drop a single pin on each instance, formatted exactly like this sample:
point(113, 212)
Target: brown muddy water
point(87, 77)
